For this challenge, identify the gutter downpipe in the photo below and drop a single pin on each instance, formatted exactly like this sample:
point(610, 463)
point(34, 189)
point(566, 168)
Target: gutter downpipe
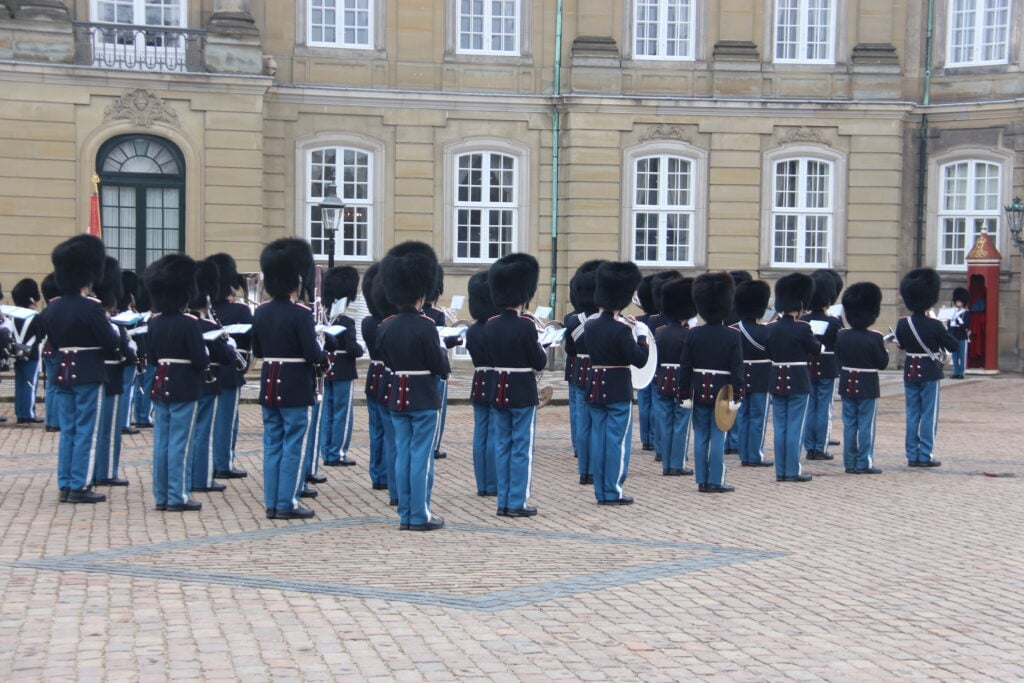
point(922, 148)
point(556, 125)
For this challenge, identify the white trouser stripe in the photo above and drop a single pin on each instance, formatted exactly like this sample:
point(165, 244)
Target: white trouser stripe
point(186, 480)
point(346, 425)
point(231, 430)
point(622, 452)
point(302, 459)
point(115, 433)
point(764, 427)
point(91, 470)
point(874, 414)
point(529, 462)
point(803, 423)
point(209, 442)
point(429, 470)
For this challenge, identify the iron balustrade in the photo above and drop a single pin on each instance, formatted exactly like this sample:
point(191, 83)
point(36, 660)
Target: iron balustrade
point(139, 48)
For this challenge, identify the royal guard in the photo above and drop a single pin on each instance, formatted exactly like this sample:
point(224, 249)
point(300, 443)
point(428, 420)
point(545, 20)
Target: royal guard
point(671, 419)
point(340, 282)
point(386, 309)
point(380, 465)
point(409, 346)
point(750, 303)
point(584, 283)
point(81, 337)
point(613, 349)
point(482, 309)
point(142, 401)
point(177, 350)
point(925, 340)
point(732, 443)
point(451, 341)
point(284, 336)
point(569, 370)
point(26, 362)
point(126, 304)
point(516, 354)
point(51, 364)
point(959, 326)
point(824, 370)
point(861, 354)
point(654, 322)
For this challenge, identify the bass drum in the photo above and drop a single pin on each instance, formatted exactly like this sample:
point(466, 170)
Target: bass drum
point(642, 377)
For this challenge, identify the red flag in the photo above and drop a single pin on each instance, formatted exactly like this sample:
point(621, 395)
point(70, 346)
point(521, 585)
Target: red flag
point(95, 227)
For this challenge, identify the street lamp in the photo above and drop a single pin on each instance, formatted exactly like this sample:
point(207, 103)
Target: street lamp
point(1015, 217)
point(331, 209)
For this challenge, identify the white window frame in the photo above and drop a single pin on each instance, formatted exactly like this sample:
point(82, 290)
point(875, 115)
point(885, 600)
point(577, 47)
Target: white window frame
point(836, 212)
point(976, 44)
point(486, 207)
point(803, 10)
point(136, 49)
point(970, 214)
point(139, 12)
point(487, 32)
point(662, 25)
point(340, 28)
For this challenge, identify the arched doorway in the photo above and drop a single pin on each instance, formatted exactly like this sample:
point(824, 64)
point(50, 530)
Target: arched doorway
point(142, 198)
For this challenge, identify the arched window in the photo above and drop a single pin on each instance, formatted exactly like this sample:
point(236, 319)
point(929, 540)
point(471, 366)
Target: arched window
point(970, 201)
point(142, 188)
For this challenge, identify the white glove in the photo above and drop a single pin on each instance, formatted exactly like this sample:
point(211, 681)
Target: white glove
point(232, 343)
point(132, 345)
point(734, 406)
point(688, 404)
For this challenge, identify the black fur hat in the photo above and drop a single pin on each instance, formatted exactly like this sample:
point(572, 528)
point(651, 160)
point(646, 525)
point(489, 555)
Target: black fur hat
point(513, 280)
point(481, 307)
point(616, 283)
point(862, 303)
point(207, 284)
point(78, 262)
point(961, 294)
point(25, 293)
point(677, 299)
point(712, 294)
point(385, 309)
point(586, 282)
point(171, 282)
point(227, 276)
point(439, 287)
point(109, 289)
point(825, 293)
point(369, 279)
point(920, 289)
point(49, 287)
point(793, 292)
point(646, 296)
point(751, 299)
point(408, 273)
point(740, 276)
point(287, 266)
point(657, 282)
point(574, 301)
point(129, 290)
point(143, 303)
point(837, 279)
point(340, 282)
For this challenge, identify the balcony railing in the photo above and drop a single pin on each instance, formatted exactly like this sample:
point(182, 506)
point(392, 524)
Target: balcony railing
point(139, 48)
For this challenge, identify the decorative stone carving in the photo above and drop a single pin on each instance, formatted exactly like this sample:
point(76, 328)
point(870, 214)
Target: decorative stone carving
point(663, 132)
point(141, 108)
point(803, 134)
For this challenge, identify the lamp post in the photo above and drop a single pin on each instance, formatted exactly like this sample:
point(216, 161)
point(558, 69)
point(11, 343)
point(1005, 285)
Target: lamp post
point(1015, 218)
point(331, 209)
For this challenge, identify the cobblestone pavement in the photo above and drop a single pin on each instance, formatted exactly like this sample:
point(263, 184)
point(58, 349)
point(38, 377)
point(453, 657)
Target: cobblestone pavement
point(914, 573)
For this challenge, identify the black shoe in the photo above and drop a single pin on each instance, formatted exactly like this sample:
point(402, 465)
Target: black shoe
point(647, 447)
point(502, 512)
point(670, 473)
point(799, 477)
point(393, 502)
point(64, 495)
point(438, 455)
point(657, 457)
point(143, 425)
point(625, 500)
point(112, 482)
point(160, 507)
point(271, 513)
point(868, 470)
point(583, 479)
point(433, 524)
point(525, 511)
point(813, 454)
point(763, 463)
point(298, 513)
point(30, 420)
point(720, 488)
point(833, 442)
point(403, 526)
point(22, 420)
point(51, 428)
point(86, 496)
point(590, 479)
point(3, 419)
point(380, 487)
point(686, 472)
point(347, 462)
point(316, 479)
point(129, 430)
point(308, 492)
point(189, 506)
point(702, 488)
point(731, 451)
point(230, 474)
point(212, 488)
point(929, 463)
point(850, 470)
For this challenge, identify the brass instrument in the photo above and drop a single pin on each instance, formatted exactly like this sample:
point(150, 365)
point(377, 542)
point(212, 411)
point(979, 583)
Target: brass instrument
point(253, 290)
point(320, 321)
point(546, 392)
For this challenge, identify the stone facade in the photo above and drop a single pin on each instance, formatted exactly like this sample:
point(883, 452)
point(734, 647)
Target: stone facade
point(257, 95)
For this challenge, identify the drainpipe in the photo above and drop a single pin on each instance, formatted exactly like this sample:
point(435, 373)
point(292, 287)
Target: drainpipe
point(556, 125)
point(922, 143)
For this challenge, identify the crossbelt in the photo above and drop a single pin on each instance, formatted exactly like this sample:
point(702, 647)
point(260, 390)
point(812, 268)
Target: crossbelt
point(513, 369)
point(874, 370)
point(174, 361)
point(285, 360)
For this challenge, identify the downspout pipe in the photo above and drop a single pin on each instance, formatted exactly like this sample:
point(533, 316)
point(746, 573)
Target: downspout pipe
point(922, 143)
point(556, 126)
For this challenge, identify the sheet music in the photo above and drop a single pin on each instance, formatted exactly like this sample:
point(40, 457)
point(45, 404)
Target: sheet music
point(135, 331)
point(333, 330)
point(458, 301)
point(238, 328)
point(443, 332)
point(552, 336)
point(947, 313)
point(213, 335)
point(836, 311)
point(18, 312)
point(338, 308)
point(542, 313)
point(694, 321)
point(127, 318)
point(819, 327)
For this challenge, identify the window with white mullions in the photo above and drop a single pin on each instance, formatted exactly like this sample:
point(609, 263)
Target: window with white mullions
point(805, 31)
point(485, 205)
point(142, 49)
point(663, 210)
point(350, 170)
point(978, 32)
point(663, 29)
point(970, 203)
point(341, 23)
point(488, 27)
point(802, 213)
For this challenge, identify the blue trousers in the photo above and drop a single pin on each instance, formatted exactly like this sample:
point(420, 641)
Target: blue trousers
point(922, 404)
point(484, 463)
point(79, 407)
point(26, 377)
point(959, 358)
point(390, 454)
point(645, 406)
point(414, 463)
point(859, 432)
point(732, 439)
point(108, 437)
point(52, 366)
point(751, 422)
point(442, 415)
point(124, 409)
point(311, 456)
point(378, 466)
point(336, 422)
point(819, 414)
point(172, 436)
point(708, 446)
point(581, 415)
point(788, 416)
point(285, 431)
point(573, 436)
point(611, 433)
point(672, 421)
point(514, 432)
point(200, 456)
point(225, 428)
point(143, 402)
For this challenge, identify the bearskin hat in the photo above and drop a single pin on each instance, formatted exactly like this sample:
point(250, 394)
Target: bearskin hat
point(825, 293)
point(109, 289)
point(712, 294)
point(369, 278)
point(78, 262)
point(287, 265)
point(385, 309)
point(574, 301)
point(408, 273)
point(793, 292)
point(586, 282)
point(677, 299)
point(171, 281)
point(920, 289)
point(751, 299)
point(207, 284)
point(481, 307)
point(49, 287)
point(862, 302)
point(340, 282)
point(25, 293)
point(143, 302)
point(962, 295)
point(513, 280)
point(129, 290)
point(616, 283)
point(439, 287)
point(227, 276)
point(657, 282)
point(837, 278)
point(646, 296)
point(740, 276)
